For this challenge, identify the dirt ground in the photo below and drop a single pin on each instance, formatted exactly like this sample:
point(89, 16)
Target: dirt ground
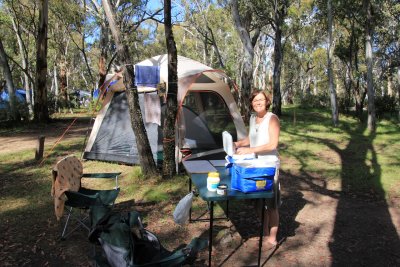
point(319, 225)
point(14, 141)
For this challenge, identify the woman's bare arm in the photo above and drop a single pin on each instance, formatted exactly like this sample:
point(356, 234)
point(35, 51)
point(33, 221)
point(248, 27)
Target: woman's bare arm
point(274, 130)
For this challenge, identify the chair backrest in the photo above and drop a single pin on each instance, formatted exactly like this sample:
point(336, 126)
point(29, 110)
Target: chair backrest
point(67, 176)
point(70, 171)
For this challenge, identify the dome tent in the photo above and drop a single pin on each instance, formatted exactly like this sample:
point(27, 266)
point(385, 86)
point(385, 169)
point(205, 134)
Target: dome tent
point(206, 108)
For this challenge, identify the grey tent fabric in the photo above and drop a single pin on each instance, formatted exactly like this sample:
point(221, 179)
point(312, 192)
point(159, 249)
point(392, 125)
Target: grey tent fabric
point(115, 140)
point(197, 134)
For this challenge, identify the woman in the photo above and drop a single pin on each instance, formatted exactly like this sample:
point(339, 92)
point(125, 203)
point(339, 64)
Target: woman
point(263, 141)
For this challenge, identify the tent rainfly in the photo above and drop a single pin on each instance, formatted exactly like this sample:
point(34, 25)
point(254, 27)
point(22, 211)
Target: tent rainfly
point(206, 109)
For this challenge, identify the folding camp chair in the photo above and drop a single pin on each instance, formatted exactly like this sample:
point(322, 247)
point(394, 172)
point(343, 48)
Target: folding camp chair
point(68, 191)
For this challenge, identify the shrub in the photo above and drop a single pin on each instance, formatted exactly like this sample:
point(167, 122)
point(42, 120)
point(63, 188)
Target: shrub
point(313, 101)
point(385, 104)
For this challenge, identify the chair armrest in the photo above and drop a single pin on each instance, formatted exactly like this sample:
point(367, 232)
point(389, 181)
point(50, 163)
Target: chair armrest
point(101, 175)
point(109, 175)
point(78, 199)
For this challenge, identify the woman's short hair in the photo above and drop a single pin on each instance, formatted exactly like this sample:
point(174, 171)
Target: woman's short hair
point(256, 92)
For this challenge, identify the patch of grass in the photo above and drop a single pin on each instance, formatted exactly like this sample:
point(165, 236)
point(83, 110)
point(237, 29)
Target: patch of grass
point(310, 146)
point(361, 161)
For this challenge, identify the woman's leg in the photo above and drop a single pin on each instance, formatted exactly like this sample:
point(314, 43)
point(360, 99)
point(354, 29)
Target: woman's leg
point(271, 224)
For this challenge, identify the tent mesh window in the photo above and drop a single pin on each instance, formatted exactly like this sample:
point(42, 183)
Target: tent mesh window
point(212, 112)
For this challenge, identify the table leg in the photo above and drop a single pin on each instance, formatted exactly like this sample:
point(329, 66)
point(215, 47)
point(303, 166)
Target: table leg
point(190, 190)
point(261, 231)
point(227, 209)
point(210, 232)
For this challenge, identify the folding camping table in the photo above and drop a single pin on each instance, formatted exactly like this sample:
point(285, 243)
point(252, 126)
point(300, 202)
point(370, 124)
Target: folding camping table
point(198, 172)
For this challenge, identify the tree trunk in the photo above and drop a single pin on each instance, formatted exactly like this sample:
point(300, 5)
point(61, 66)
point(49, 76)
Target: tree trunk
point(13, 115)
point(171, 111)
point(389, 90)
point(248, 56)
point(368, 58)
point(25, 63)
point(315, 82)
point(398, 91)
point(332, 89)
point(102, 71)
point(347, 88)
point(206, 56)
point(277, 98)
point(214, 43)
point(103, 54)
point(41, 112)
point(56, 89)
point(145, 154)
point(359, 96)
point(63, 85)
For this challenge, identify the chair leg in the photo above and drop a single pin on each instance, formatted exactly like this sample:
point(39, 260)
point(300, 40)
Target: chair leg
point(81, 223)
point(66, 224)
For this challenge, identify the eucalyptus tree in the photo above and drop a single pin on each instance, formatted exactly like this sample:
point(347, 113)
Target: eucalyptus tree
point(145, 154)
point(304, 36)
point(130, 16)
point(249, 29)
point(72, 32)
point(327, 9)
point(349, 50)
point(368, 32)
point(255, 16)
point(202, 17)
point(277, 19)
point(24, 62)
point(332, 89)
point(207, 34)
point(388, 50)
point(9, 82)
point(263, 51)
point(40, 108)
point(169, 163)
point(96, 10)
point(21, 17)
point(356, 23)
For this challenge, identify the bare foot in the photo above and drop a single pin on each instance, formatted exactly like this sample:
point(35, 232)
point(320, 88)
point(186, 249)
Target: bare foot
point(266, 244)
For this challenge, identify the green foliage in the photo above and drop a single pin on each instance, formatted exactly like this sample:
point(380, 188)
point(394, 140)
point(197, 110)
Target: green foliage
point(344, 104)
point(385, 104)
point(52, 103)
point(22, 109)
point(74, 43)
point(313, 101)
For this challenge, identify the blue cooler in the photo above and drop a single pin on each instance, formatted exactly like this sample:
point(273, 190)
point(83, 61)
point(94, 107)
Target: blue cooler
point(251, 175)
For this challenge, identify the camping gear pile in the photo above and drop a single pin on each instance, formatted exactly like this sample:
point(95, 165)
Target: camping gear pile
point(123, 239)
point(126, 243)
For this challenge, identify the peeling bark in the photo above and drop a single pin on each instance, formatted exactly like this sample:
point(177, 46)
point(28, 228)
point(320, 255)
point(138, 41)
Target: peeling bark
point(41, 112)
point(171, 111)
point(144, 150)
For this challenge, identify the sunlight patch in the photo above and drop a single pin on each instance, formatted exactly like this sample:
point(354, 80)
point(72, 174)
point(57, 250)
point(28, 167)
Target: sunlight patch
point(13, 204)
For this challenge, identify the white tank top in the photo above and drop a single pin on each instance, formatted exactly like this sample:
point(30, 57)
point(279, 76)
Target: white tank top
point(259, 134)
